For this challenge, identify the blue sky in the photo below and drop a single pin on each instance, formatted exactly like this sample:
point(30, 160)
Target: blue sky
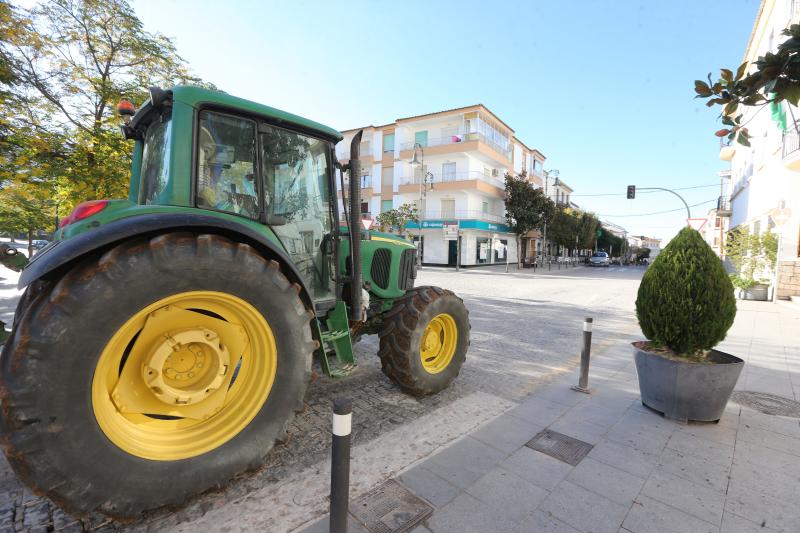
point(602, 88)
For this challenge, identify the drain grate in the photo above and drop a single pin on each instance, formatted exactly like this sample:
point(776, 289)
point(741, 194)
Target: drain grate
point(563, 447)
point(769, 404)
point(390, 508)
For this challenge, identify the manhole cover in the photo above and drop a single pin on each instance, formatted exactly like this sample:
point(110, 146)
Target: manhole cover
point(767, 403)
point(562, 447)
point(390, 508)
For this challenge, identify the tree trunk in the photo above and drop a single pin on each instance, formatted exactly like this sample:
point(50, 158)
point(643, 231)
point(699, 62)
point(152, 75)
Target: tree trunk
point(30, 244)
point(519, 251)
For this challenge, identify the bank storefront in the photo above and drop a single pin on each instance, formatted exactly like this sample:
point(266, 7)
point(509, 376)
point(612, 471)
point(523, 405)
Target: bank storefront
point(480, 242)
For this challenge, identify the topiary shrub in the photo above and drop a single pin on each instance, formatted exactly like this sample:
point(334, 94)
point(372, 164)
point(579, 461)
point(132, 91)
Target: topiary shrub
point(685, 301)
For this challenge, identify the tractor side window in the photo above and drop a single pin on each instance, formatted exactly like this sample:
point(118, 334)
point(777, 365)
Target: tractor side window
point(226, 164)
point(296, 193)
point(155, 159)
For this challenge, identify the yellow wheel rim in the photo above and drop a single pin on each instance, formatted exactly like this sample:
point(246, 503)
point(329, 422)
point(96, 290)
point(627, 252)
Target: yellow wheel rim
point(438, 343)
point(184, 375)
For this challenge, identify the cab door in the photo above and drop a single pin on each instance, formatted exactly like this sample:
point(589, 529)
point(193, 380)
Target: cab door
point(297, 202)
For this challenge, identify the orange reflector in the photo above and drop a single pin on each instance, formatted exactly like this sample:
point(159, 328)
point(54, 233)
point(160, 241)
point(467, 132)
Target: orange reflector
point(125, 107)
point(83, 210)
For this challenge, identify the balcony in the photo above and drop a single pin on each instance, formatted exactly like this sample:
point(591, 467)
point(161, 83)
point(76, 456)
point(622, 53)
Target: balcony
point(723, 206)
point(455, 180)
point(457, 142)
point(463, 215)
point(726, 149)
point(791, 147)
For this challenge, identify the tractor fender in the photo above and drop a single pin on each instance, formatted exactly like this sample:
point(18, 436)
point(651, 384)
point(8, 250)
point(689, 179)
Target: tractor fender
point(61, 254)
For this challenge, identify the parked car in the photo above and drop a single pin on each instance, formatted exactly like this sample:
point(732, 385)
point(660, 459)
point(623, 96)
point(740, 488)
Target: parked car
point(599, 259)
point(39, 244)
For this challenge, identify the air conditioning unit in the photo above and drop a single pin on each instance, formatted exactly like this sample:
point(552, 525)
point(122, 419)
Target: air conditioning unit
point(495, 172)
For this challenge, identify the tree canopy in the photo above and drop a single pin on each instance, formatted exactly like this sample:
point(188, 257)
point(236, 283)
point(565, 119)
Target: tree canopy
point(63, 66)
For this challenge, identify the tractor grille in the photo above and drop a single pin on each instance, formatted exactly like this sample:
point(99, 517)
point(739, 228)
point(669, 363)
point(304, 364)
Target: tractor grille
point(381, 263)
point(408, 269)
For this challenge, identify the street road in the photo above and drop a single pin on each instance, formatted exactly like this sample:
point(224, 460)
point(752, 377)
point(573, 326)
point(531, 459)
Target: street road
point(526, 329)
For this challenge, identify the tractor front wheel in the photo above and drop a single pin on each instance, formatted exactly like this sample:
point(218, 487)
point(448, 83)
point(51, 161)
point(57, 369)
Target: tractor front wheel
point(425, 340)
point(155, 372)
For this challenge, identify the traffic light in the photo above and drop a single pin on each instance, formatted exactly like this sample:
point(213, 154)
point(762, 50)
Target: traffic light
point(631, 192)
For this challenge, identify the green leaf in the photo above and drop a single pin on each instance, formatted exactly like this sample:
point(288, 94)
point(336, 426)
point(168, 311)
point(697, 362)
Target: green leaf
point(742, 139)
point(741, 71)
point(702, 88)
point(727, 120)
point(730, 108)
point(792, 93)
point(726, 74)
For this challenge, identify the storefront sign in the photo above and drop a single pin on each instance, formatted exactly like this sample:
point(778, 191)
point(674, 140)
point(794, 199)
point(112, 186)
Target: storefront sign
point(462, 224)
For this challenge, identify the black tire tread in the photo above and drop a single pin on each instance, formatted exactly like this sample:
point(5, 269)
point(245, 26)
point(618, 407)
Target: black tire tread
point(400, 323)
point(22, 428)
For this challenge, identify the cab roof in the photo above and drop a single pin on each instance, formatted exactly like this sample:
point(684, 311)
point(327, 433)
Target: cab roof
point(196, 96)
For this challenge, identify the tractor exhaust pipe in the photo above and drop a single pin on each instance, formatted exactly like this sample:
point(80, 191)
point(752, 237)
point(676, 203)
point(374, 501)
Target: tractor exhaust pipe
point(354, 167)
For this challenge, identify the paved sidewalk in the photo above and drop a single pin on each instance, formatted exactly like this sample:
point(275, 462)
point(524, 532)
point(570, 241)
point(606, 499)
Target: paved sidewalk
point(644, 473)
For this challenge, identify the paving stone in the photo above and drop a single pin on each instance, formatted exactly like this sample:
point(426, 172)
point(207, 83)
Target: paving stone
point(539, 411)
point(700, 447)
point(624, 457)
point(704, 503)
point(593, 413)
point(769, 439)
point(537, 468)
point(585, 431)
point(774, 512)
point(507, 433)
point(643, 437)
point(583, 509)
point(746, 476)
point(560, 393)
point(779, 424)
point(736, 524)
point(542, 522)
point(467, 514)
point(462, 463)
point(650, 516)
point(706, 473)
point(775, 460)
point(323, 526)
point(428, 486)
point(615, 484)
point(37, 515)
point(508, 494)
point(714, 432)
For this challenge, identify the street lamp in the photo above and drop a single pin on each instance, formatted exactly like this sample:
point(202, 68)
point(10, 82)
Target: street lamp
point(547, 174)
point(423, 190)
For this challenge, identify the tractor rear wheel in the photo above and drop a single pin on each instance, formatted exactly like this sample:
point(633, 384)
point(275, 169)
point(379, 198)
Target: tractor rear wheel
point(155, 372)
point(425, 339)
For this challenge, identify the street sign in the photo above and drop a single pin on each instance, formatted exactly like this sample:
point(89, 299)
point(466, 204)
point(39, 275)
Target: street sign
point(696, 223)
point(450, 232)
point(367, 223)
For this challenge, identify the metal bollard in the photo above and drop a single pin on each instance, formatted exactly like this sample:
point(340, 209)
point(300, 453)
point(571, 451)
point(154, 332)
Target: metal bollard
point(583, 379)
point(340, 464)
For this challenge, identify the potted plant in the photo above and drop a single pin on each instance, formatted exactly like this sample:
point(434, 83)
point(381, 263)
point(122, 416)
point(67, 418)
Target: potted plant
point(685, 306)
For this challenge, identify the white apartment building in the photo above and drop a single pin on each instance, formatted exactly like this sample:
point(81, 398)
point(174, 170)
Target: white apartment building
point(717, 223)
point(764, 184)
point(464, 154)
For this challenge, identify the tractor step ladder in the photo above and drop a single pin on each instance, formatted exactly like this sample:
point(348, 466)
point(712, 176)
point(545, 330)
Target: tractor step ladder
point(337, 339)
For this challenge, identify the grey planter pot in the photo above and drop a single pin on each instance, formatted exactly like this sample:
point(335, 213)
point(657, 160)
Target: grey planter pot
point(757, 292)
point(682, 390)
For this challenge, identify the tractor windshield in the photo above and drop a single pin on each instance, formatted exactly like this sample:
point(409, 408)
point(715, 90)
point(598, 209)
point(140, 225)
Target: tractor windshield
point(155, 159)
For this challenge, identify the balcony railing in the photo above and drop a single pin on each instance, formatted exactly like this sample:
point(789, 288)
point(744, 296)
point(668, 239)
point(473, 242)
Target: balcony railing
point(723, 206)
point(366, 181)
point(463, 215)
point(791, 140)
point(457, 176)
point(460, 138)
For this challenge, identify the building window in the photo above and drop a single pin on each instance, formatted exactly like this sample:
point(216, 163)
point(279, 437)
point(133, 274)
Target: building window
point(484, 207)
point(421, 138)
point(387, 179)
point(386, 205)
point(487, 172)
point(757, 227)
point(448, 171)
point(388, 142)
point(448, 208)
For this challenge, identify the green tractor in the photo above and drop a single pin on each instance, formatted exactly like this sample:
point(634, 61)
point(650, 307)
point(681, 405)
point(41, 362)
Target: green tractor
point(164, 341)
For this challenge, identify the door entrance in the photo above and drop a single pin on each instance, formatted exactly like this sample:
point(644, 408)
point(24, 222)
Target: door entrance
point(452, 253)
